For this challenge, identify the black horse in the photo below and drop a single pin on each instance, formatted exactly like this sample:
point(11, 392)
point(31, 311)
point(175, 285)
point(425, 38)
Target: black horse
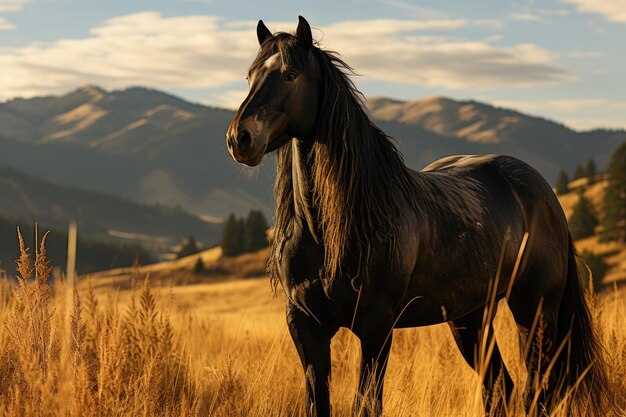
point(363, 242)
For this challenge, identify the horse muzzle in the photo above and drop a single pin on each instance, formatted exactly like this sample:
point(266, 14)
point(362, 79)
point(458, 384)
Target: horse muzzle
point(244, 148)
point(248, 142)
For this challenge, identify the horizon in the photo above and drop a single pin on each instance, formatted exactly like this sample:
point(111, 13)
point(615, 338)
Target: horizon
point(367, 98)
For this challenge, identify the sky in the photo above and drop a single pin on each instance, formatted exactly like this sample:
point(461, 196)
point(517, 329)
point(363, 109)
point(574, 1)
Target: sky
point(560, 59)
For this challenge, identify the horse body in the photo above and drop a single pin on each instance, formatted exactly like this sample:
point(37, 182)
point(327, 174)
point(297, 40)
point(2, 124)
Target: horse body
point(485, 214)
point(365, 243)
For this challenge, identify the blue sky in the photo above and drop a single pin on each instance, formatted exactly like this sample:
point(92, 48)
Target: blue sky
point(561, 59)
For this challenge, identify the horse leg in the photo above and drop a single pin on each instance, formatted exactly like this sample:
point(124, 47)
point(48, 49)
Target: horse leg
point(374, 328)
point(312, 341)
point(537, 321)
point(469, 334)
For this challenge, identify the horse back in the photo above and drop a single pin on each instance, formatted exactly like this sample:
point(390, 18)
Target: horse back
point(477, 209)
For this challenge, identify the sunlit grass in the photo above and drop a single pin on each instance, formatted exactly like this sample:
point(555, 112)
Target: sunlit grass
point(222, 350)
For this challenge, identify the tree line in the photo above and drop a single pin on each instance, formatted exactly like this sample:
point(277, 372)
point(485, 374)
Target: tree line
point(610, 225)
point(242, 235)
point(589, 170)
point(584, 220)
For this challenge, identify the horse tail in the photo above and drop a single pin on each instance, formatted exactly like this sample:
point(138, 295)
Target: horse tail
point(581, 362)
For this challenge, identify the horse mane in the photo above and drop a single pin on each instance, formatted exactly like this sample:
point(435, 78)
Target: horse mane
point(361, 185)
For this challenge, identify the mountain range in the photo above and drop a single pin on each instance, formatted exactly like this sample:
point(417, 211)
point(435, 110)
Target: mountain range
point(145, 147)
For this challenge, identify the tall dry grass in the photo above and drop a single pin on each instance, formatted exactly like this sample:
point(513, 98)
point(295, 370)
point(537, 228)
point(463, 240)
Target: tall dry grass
point(220, 350)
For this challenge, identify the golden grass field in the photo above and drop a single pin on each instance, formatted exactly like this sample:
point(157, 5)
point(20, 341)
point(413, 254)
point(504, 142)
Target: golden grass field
point(122, 347)
point(178, 344)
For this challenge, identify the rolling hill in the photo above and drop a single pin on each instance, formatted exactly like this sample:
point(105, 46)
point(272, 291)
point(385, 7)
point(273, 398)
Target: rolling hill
point(151, 147)
point(98, 215)
point(140, 144)
point(434, 127)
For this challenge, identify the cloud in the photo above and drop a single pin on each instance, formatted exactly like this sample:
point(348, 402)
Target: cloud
point(583, 124)
point(210, 52)
point(12, 5)
point(5, 25)
point(525, 16)
point(138, 49)
point(570, 105)
point(231, 99)
point(393, 54)
point(413, 9)
point(613, 10)
point(585, 54)
point(581, 114)
point(530, 13)
point(553, 12)
point(490, 23)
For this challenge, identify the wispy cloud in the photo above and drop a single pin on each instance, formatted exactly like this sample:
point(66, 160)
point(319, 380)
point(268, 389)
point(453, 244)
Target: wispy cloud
point(391, 54)
point(553, 12)
point(12, 5)
point(613, 10)
point(571, 105)
point(5, 25)
point(491, 23)
point(414, 10)
point(591, 123)
point(525, 16)
point(585, 54)
point(530, 13)
point(581, 114)
point(231, 99)
point(210, 52)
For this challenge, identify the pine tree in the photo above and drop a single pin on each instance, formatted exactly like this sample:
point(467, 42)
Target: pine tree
point(583, 222)
point(241, 230)
point(190, 247)
point(579, 173)
point(590, 169)
point(198, 267)
point(232, 236)
point(614, 221)
point(255, 232)
point(562, 183)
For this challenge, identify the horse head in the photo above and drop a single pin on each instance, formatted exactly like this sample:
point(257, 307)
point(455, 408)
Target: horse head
point(283, 95)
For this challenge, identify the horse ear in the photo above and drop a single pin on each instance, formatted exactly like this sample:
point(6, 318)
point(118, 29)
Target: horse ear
point(304, 32)
point(262, 32)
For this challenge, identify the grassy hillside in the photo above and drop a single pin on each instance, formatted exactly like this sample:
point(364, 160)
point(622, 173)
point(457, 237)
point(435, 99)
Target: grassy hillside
point(613, 253)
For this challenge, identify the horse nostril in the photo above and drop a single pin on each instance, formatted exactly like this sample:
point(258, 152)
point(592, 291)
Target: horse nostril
point(244, 140)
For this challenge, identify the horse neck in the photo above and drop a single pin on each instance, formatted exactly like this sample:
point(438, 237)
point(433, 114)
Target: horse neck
point(304, 209)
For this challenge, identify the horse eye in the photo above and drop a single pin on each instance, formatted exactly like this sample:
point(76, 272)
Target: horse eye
point(290, 76)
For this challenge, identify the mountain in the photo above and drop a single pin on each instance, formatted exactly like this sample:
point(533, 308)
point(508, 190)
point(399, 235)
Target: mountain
point(151, 147)
point(434, 127)
point(99, 216)
point(138, 143)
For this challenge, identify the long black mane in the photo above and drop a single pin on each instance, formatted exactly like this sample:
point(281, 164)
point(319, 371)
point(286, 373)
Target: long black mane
point(357, 172)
